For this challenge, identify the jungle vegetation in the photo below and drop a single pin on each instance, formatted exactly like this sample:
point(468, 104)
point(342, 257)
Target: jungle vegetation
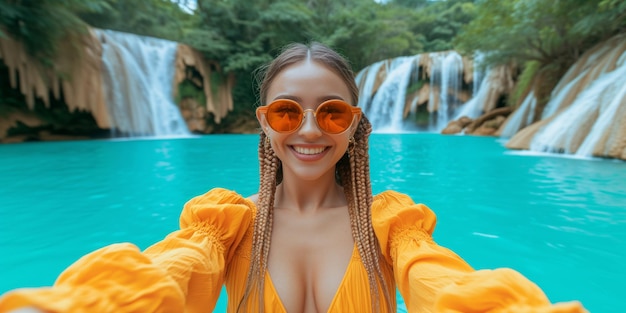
point(241, 35)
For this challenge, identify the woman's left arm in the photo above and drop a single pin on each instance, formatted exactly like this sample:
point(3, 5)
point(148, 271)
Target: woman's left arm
point(432, 278)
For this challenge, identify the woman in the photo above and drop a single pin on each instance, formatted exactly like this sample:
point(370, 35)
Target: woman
point(313, 239)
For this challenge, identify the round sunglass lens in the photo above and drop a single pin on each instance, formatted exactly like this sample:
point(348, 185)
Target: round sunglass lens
point(334, 117)
point(284, 116)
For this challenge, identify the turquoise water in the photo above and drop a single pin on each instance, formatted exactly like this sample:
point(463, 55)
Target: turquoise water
point(561, 222)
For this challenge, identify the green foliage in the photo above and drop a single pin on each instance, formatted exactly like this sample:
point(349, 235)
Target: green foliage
point(422, 117)
point(553, 33)
point(411, 4)
point(546, 37)
point(21, 129)
point(187, 89)
point(245, 93)
point(9, 102)
point(439, 22)
point(524, 81)
point(154, 18)
point(370, 33)
point(415, 86)
point(11, 99)
point(43, 25)
point(58, 119)
point(244, 34)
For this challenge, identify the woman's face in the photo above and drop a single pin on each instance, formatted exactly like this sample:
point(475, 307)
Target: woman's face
point(308, 153)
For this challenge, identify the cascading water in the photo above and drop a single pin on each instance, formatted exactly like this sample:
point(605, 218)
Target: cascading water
point(473, 108)
point(477, 72)
point(481, 88)
point(138, 80)
point(556, 100)
point(587, 109)
point(387, 106)
point(584, 115)
point(522, 117)
point(367, 79)
point(433, 78)
point(447, 73)
point(616, 94)
point(577, 129)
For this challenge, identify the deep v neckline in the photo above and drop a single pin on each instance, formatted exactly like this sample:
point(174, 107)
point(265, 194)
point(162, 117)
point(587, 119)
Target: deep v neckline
point(339, 287)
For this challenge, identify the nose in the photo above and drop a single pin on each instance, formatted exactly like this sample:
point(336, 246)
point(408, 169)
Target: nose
point(309, 128)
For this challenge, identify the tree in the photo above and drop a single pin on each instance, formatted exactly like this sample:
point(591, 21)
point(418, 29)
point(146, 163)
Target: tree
point(545, 37)
point(155, 18)
point(42, 25)
point(550, 32)
point(440, 21)
point(367, 32)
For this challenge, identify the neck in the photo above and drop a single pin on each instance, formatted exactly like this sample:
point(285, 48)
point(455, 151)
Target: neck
point(309, 196)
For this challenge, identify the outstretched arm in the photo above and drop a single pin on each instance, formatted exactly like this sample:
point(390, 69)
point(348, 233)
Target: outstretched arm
point(432, 278)
point(182, 273)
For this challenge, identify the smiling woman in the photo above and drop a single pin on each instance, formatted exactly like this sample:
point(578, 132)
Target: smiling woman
point(313, 239)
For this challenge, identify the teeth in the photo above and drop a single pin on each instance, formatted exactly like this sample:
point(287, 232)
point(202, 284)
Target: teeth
point(302, 150)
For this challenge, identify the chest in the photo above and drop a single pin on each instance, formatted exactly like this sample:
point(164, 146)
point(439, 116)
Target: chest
point(308, 259)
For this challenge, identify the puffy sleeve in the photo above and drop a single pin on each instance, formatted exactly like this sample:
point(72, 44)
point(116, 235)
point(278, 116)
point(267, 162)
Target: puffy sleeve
point(432, 278)
point(182, 273)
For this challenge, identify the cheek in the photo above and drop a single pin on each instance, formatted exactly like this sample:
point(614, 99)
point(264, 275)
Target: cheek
point(276, 141)
point(343, 145)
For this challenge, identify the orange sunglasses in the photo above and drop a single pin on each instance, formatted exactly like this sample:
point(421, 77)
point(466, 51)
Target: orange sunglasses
point(332, 116)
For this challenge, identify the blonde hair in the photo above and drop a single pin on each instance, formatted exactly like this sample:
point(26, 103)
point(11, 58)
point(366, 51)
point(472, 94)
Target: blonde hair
point(352, 172)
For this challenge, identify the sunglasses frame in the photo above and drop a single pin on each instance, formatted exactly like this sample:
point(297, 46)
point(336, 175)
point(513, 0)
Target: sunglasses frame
point(355, 111)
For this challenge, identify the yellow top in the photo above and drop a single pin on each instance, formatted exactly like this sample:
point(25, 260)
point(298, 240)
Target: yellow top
point(185, 272)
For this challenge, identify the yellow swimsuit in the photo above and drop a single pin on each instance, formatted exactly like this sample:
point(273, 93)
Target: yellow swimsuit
point(185, 272)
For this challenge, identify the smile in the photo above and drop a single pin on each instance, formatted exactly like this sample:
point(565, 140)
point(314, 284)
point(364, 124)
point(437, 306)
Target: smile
point(308, 151)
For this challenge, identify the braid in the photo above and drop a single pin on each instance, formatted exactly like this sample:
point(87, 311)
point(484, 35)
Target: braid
point(354, 174)
point(261, 238)
point(343, 169)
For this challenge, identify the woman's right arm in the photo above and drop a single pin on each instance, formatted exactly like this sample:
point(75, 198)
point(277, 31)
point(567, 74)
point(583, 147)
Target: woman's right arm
point(182, 273)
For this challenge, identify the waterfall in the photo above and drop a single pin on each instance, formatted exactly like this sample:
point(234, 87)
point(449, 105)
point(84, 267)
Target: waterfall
point(596, 63)
point(473, 108)
point(522, 117)
point(440, 84)
point(367, 79)
point(577, 129)
point(586, 113)
point(556, 100)
point(606, 118)
point(477, 73)
point(387, 106)
point(446, 73)
point(450, 86)
point(138, 74)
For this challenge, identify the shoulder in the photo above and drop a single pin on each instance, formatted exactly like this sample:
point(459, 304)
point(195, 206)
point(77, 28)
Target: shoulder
point(218, 196)
point(219, 205)
point(392, 209)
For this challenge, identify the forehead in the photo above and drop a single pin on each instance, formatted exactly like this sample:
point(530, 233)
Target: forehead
point(308, 81)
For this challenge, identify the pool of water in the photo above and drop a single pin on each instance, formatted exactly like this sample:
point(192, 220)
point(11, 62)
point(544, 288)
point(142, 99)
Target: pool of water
point(559, 221)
